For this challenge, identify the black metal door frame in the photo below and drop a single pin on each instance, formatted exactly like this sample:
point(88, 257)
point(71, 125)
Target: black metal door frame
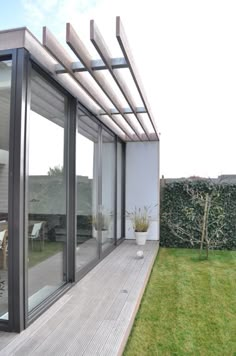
point(18, 146)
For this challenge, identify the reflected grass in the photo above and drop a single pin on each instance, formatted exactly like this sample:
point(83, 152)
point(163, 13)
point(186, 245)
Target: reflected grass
point(50, 248)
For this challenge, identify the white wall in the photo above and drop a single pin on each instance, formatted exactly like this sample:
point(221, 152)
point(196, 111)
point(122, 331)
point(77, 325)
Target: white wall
point(142, 183)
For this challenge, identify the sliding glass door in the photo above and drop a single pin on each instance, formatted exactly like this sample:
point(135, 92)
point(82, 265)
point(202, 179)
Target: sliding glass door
point(108, 159)
point(60, 204)
point(96, 189)
point(120, 192)
point(87, 160)
point(92, 173)
point(5, 101)
point(46, 210)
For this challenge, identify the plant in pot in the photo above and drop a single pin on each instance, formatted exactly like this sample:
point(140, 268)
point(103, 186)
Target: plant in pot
point(141, 220)
point(104, 226)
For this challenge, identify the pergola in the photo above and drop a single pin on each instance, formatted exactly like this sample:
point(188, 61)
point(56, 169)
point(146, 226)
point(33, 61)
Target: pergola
point(130, 123)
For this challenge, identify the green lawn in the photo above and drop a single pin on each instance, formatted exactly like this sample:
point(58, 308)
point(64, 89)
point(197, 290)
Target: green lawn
point(189, 306)
point(50, 248)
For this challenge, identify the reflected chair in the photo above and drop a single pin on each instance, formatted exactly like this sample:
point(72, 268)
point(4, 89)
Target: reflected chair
point(37, 234)
point(4, 246)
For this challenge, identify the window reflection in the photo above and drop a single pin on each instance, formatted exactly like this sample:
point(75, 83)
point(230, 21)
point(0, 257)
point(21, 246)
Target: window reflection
point(46, 209)
point(5, 98)
point(108, 190)
point(87, 190)
point(119, 190)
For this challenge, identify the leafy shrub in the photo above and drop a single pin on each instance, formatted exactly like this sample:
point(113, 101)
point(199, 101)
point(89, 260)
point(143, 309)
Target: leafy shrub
point(183, 204)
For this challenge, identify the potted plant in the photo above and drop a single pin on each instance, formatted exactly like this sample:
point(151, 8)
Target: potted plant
point(104, 225)
point(141, 220)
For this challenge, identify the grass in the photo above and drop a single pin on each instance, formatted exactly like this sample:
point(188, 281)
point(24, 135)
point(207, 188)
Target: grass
point(189, 306)
point(50, 248)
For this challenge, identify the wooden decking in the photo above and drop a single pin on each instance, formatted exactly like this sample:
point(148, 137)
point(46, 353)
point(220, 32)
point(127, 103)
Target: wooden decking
point(96, 315)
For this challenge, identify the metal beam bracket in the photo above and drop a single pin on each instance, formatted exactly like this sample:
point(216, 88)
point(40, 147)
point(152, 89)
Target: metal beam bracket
point(96, 64)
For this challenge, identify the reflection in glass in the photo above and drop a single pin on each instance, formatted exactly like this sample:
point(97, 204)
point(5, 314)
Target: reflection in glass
point(5, 97)
point(119, 190)
point(108, 190)
point(86, 181)
point(46, 208)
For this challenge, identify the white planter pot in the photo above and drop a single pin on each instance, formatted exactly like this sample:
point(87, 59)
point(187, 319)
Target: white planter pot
point(95, 233)
point(141, 238)
point(104, 235)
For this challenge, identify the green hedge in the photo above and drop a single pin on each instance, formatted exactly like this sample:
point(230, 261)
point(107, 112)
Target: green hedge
point(176, 199)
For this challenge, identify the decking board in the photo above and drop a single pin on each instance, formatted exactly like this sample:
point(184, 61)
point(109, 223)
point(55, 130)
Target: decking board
point(96, 315)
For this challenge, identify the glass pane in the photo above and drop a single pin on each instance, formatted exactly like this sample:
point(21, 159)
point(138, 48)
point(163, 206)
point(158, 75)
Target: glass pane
point(86, 180)
point(119, 190)
point(5, 98)
point(108, 190)
point(46, 207)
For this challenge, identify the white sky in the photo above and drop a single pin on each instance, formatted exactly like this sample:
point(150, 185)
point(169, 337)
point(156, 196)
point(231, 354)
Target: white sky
point(46, 140)
point(185, 52)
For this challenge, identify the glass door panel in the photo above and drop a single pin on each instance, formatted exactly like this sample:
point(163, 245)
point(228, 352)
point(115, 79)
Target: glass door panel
point(5, 100)
point(108, 190)
point(46, 214)
point(87, 159)
point(120, 187)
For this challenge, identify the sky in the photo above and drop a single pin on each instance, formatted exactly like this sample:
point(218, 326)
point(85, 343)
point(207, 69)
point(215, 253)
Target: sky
point(54, 154)
point(185, 53)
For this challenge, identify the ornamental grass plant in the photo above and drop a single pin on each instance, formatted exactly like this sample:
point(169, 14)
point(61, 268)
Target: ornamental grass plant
point(140, 218)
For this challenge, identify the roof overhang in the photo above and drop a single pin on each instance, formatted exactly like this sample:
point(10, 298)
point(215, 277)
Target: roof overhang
point(96, 92)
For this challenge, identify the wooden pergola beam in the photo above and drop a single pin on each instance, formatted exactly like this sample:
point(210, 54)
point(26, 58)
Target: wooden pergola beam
point(102, 49)
point(60, 54)
point(123, 42)
point(77, 46)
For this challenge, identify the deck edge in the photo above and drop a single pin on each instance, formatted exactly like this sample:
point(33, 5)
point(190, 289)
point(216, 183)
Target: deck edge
point(129, 328)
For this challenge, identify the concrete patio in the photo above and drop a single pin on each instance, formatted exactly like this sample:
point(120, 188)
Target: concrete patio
point(96, 315)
